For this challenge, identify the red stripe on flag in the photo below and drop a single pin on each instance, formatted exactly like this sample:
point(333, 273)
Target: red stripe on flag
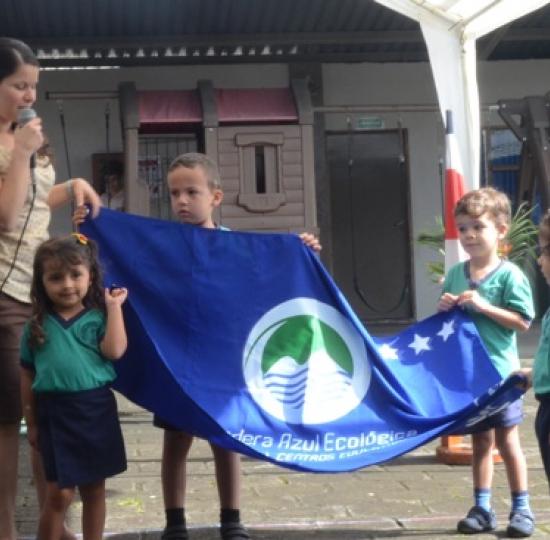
point(454, 190)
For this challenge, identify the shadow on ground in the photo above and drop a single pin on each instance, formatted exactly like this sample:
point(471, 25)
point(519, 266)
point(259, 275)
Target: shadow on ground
point(333, 534)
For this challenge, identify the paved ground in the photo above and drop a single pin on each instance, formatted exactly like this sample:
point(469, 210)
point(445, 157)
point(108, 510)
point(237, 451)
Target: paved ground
point(413, 497)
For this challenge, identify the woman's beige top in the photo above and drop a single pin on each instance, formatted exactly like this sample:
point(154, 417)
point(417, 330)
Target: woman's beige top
point(18, 285)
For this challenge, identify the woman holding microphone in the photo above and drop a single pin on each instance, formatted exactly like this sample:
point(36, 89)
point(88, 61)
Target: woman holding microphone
point(27, 195)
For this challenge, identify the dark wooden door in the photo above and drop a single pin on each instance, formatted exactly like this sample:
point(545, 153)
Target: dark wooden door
point(371, 227)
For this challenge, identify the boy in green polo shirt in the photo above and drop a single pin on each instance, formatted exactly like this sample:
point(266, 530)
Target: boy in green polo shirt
point(497, 295)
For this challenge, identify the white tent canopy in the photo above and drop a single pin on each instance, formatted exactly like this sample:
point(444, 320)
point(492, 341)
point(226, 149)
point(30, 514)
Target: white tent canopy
point(451, 28)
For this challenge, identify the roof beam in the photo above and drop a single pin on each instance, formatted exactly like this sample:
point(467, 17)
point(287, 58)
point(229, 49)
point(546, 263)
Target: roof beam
point(487, 46)
point(527, 34)
point(383, 57)
point(193, 41)
point(225, 40)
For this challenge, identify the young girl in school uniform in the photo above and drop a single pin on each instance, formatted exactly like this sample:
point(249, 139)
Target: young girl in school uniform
point(75, 332)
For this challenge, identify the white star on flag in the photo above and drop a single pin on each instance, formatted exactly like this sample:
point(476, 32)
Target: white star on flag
point(387, 352)
point(446, 330)
point(420, 344)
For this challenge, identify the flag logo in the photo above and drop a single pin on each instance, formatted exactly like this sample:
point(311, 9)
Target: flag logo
point(305, 363)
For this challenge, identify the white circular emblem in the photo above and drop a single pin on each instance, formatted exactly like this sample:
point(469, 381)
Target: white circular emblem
point(305, 363)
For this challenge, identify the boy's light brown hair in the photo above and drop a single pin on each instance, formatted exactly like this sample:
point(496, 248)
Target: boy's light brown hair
point(196, 159)
point(488, 201)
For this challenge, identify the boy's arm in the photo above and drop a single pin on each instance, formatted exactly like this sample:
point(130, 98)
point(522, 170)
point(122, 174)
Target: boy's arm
point(505, 317)
point(29, 408)
point(114, 342)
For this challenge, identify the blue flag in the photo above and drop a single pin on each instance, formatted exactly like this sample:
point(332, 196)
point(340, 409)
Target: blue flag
point(245, 340)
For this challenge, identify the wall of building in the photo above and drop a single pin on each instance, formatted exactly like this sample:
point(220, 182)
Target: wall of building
point(412, 84)
point(85, 119)
point(344, 84)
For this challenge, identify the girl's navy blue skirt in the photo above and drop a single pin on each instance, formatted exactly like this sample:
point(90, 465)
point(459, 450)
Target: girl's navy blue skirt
point(79, 436)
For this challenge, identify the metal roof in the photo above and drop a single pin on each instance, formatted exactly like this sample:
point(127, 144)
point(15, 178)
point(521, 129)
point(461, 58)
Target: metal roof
point(155, 32)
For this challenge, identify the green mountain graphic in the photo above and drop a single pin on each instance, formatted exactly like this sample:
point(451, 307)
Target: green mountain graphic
point(299, 337)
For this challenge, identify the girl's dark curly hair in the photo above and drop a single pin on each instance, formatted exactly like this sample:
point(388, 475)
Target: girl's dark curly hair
point(67, 251)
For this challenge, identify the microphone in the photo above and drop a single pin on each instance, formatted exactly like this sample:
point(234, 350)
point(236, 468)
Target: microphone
point(26, 115)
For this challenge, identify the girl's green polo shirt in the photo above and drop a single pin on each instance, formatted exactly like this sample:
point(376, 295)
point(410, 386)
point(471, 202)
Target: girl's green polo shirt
point(70, 360)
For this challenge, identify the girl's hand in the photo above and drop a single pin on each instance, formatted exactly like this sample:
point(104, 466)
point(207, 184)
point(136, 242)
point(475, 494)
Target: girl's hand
point(447, 302)
point(472, 299)
point(83, 194)
point(311, 241)
point(116, 296)
point(29, 138)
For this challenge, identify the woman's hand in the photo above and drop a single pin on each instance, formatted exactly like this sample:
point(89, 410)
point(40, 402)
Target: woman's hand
point(29, 138)
point(84, 194)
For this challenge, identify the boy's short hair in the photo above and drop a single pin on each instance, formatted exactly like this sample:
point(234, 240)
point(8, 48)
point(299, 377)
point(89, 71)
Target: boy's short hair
point(544, 228)
point(191, 160)
point(486, 200)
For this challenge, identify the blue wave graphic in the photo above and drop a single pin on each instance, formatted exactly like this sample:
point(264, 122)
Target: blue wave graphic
point(290, 388)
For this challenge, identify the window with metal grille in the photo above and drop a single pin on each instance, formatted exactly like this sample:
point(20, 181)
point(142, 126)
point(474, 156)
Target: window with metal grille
point(155, 155)
point(260, 171)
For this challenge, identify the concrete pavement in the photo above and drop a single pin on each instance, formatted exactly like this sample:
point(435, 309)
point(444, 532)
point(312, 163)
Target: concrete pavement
point(412, 497)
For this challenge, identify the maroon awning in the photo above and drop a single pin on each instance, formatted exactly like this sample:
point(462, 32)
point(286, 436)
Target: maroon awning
point(256, 105)
point(169, 107)
point(234, 105)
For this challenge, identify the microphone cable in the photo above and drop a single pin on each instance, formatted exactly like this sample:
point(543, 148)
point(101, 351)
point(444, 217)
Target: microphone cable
point(20, 240)
point(25, 115)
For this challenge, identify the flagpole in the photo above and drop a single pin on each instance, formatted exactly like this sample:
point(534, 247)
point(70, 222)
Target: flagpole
point(453, 450)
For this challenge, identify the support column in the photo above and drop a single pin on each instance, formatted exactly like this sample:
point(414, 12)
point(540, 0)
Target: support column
point(136, 194)
point(313, 73)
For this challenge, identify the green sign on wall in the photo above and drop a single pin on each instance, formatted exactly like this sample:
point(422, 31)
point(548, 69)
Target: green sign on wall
point(369, 122)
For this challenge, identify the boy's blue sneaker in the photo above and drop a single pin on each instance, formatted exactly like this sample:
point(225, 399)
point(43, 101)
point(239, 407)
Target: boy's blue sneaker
point(521, 525)
point(477, 520)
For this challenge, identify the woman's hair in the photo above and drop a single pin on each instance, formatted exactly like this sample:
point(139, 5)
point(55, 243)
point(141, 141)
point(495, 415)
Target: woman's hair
point(14, 53)
point(486, 200)
point(67, 251)
point(45, 152)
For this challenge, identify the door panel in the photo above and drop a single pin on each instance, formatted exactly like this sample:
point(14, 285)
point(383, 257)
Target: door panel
point(370, 216)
